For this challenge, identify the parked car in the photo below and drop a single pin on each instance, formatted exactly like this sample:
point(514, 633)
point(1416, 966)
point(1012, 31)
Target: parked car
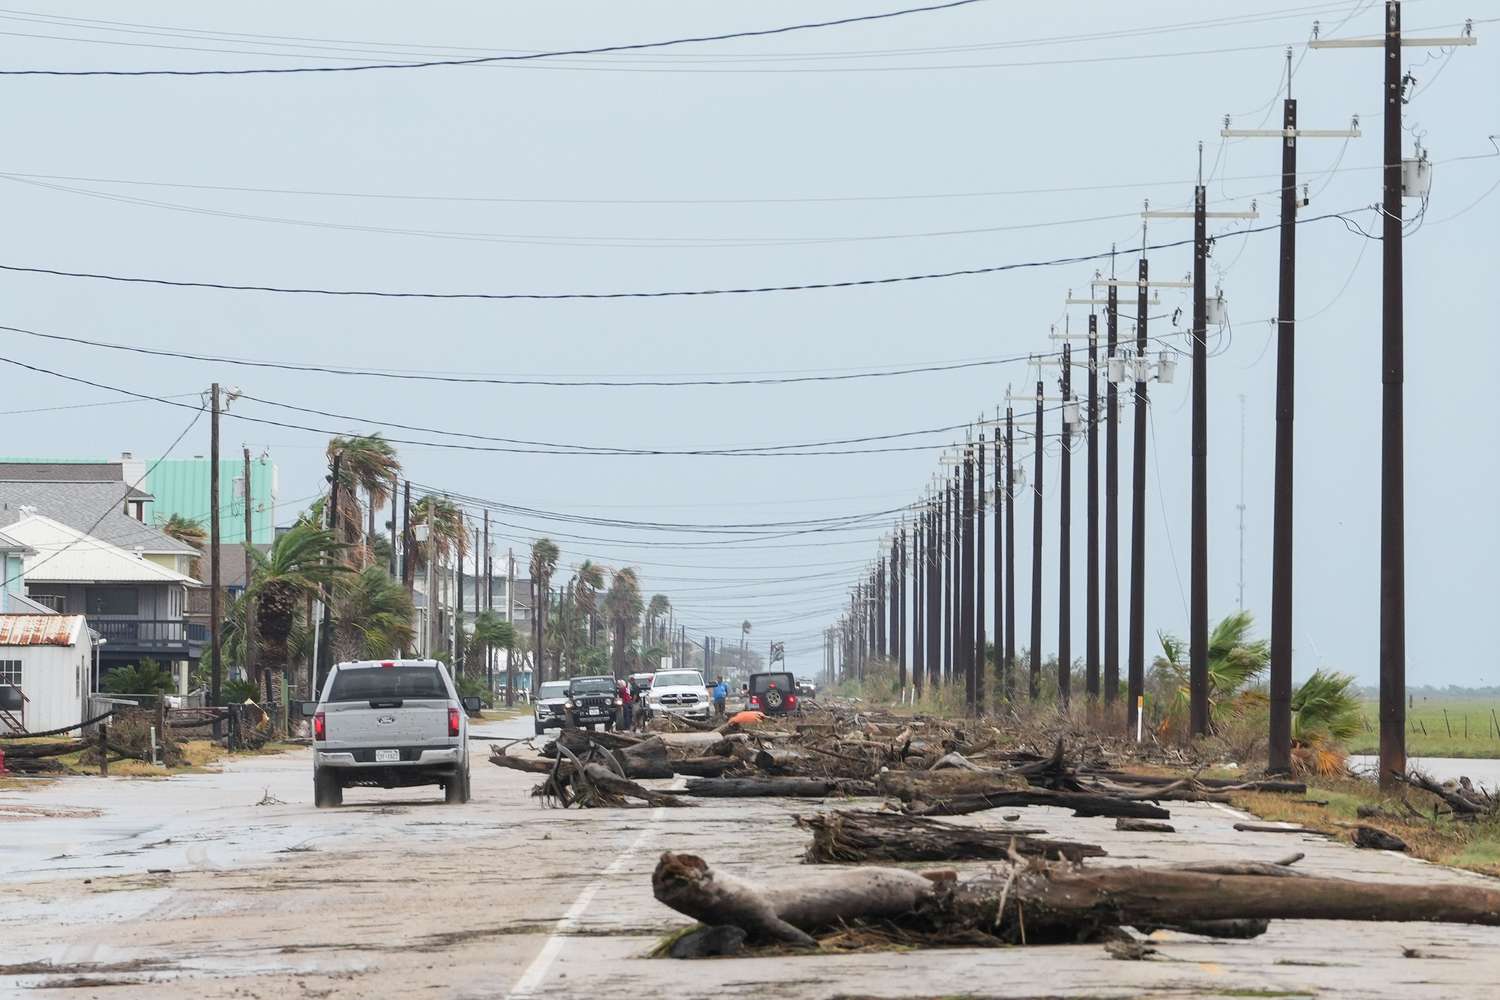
point(548, 712)
point(680, 692)
point(390, 724)
point(592, 702)
point(807, 689)
point(773, 694)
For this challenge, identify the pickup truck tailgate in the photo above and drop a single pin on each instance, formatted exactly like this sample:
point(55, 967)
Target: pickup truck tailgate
point(388, 707)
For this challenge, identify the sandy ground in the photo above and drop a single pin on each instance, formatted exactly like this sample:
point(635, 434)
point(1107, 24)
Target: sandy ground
point(231, 884)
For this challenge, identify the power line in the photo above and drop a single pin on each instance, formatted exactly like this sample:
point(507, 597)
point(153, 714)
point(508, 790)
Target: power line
point(671, 293)
point(481, 60)
point(409, 376)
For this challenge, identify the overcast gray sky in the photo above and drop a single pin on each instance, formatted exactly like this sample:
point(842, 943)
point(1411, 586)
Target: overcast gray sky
point(995, 133)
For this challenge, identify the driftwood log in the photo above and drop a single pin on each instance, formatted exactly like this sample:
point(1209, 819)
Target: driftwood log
point(791, 788)
point(1082, 804)
point(1037, 902)
point(705, 767)
point(843, 836)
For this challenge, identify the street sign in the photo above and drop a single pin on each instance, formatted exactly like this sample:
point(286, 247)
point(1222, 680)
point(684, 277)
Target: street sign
point(778, 652)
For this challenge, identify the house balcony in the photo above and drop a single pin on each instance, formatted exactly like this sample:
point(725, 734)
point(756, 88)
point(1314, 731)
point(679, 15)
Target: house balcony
point(164, 638)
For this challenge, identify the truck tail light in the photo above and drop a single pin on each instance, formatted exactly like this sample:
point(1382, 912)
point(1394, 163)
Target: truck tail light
point(452, 722)
point(754, 701)
point(791, 701)
point(320, 726)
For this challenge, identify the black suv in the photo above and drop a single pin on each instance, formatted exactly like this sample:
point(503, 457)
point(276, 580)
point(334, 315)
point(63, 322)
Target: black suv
point(592, 701)
point(773, 694)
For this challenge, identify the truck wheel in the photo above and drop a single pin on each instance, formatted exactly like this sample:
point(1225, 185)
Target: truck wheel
point(327, 791)
point(456, 789)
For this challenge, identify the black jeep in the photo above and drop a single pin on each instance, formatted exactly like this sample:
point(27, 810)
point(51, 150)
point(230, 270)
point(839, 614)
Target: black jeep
point(773, 694)
point(592, 702)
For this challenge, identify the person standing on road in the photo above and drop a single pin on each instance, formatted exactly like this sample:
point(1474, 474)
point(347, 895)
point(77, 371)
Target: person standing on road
point(721, 695)
point(625, 705)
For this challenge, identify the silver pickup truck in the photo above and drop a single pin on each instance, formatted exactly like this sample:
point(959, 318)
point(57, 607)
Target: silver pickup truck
point(390, 724)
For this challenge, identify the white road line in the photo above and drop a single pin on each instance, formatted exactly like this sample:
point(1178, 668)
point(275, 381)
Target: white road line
point(568, 922)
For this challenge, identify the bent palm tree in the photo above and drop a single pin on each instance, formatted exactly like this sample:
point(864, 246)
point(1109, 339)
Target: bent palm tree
point(188, 531)
point(1325, 715)
point(1234, 660)
point(656, 609)
point(372, 615)
point(491, 632)
point(544, 555)
point(299, 564)
point(369, 463)
point(622, 606)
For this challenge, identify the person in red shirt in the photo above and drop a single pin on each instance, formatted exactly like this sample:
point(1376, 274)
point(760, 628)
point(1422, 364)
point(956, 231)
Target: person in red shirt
point(626, 707)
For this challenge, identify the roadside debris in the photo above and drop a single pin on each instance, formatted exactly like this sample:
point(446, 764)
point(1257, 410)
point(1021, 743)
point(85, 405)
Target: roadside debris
point(843, 836)
point(1031, 901)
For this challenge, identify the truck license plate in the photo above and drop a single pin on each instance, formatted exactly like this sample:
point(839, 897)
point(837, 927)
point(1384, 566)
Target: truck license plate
point(387, 756)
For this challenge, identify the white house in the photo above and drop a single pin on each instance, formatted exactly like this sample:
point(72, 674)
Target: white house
point(137, 605)
point(45, 665)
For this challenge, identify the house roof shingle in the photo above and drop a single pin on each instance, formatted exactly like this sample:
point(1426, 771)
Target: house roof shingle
point(79, 505)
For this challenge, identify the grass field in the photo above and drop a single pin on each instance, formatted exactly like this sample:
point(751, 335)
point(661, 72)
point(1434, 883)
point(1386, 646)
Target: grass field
point(1440, 727)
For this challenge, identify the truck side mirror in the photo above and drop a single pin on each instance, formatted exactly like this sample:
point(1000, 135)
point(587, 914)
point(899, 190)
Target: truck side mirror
point(309, 709)
point(471, 705)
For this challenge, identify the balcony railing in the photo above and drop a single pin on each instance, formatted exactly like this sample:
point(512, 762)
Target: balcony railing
point(149, 633)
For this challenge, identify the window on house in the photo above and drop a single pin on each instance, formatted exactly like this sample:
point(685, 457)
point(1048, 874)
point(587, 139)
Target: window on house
point(10, 672)
point(113, 601)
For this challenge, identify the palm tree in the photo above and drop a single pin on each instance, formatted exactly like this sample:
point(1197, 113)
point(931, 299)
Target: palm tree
point(587, 583)
point(367, 462)
point(656, 609)
point(372, 615)
point(622, 606)
point(300, 563)
point(544, 555)
point(188, 531)
point(1325, 714)
point(492, 632)
point(1234, 660)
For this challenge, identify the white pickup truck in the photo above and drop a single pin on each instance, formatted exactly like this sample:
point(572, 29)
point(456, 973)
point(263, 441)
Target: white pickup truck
point(679, 692)
point(390, 724)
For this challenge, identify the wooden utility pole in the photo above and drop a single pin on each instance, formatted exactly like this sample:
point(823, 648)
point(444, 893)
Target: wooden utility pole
point(1111, 502)
point(395, 547)
point(1091, 587)
point(1065, 542)
point(980, 661)
point(215, 637)
point(1136, 684)
point(1392, 452)
point(1036, 554)
point(510, 616)
point(324, 651)
point(1010, 555)
point(966, 583)
point(249, 601)
point(1279, 750)
point(932, 590)
point(1198, 558)
point(999, 597)
point(949, 523)
point(489, 605)
point(918, 605)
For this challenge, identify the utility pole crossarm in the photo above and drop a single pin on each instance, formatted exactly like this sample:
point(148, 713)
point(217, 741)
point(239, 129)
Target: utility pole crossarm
point(1379, 43)
point(1126, 282)
point(1290, 133)
point(1104, 302)
point(1165, 213)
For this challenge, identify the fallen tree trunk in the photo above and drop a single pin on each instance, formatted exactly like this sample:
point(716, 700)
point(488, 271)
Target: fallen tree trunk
point(781, 762)
point(33, 751)
point(687, 885)
point(646, 759)
point(705, 767)
point(793, 788)
point(844, 836)
point(1082, 804)
point(611, 783)
point(1219, 784)
point(1039, 903)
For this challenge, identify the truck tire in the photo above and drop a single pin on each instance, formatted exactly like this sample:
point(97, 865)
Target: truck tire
point(456, 789)
point(328, 791)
